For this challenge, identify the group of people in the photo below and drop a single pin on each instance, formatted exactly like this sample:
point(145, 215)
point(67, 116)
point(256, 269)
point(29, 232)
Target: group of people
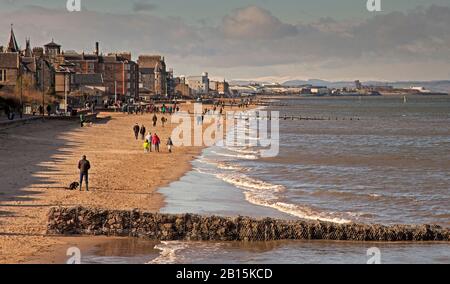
point(164, 109)
point(155, 120)
point(151, 141)
point(141, 109)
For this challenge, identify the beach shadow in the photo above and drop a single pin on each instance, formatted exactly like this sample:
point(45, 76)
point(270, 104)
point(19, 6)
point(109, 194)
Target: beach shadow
point(29, 155)
point(5, 213)
point(102, 120)
point(21, 235)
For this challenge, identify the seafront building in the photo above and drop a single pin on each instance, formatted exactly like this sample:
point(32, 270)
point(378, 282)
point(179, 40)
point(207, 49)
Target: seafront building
point(102, 78)
point(182, 89)
point(199, 84)
point(153, 74)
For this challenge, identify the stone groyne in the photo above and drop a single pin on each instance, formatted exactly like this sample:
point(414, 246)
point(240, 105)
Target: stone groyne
point(190, 227)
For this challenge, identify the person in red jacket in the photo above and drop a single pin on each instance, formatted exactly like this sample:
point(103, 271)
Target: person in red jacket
point(156, 141)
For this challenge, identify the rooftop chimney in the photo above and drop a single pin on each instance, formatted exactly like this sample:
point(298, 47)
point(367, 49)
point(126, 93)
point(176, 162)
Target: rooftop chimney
point(97, 48)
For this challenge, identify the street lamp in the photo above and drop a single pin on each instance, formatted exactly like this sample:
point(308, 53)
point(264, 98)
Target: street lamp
point(21, 92)
point(65, 93)
point(43, 88)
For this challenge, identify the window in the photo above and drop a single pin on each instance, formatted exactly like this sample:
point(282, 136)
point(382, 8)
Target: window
point(2, 75)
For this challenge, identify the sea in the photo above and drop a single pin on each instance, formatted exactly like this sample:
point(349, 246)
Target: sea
point(375, 160)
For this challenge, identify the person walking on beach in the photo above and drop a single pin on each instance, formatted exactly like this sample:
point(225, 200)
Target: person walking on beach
point(84, 167)
point(146, 146)
point(143, 131)
point(136, 129)
point(155, 120)
point(156, 141)
point(169, 145)
point(149, 139)
point(163, 121)
point(82, 120)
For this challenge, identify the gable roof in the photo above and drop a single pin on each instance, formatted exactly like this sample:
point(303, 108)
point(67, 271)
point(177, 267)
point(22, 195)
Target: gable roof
point(52, 44)
point(12, 44)
point(29, 63)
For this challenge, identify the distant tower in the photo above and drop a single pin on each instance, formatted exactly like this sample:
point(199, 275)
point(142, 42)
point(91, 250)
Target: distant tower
point(52, 49)
point(28, 52)
point(158, 79)
point(12, 45)
point(205, 82)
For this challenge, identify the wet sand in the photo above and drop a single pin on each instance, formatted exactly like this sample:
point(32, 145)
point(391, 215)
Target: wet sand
point(39, 160)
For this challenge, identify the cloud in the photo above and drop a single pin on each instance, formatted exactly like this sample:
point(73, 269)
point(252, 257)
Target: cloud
point(421, 32)
point(254, 22)
point(9, 2)
point(251, 42)
point(143, 6)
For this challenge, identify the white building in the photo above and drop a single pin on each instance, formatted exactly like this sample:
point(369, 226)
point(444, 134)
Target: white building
point(199, 84)
point(420, 90)
point(319, 90)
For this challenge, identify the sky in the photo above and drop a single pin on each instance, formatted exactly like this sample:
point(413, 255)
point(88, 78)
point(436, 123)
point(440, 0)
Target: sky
point(271, 40)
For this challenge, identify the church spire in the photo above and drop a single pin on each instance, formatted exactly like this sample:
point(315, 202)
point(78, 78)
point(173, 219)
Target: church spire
point(12, 45)
point(28, 52)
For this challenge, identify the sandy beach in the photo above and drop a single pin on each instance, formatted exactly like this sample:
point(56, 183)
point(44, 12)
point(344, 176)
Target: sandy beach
point(39, 161)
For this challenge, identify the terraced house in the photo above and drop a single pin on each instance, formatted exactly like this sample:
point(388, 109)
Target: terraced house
point(53, 71)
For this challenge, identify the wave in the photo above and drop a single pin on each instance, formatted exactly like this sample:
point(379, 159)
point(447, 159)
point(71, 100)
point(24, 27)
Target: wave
point(229, 167)
point(345, 194)
point(175, 252)
point(220, 165)
point(245, 182)
point(204, 171)
point(168, 252)
point(242, 150)
point(308, 213)
point(266, 194)
point(239, 156)
point(259, 192)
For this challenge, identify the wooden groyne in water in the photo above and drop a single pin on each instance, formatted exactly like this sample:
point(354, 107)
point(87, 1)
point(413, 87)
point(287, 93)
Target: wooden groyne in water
point(190, 227)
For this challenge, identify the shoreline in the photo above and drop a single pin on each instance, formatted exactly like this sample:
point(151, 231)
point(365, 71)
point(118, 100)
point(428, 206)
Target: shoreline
point(40, 161)
point(57, 146)
point(94, 243)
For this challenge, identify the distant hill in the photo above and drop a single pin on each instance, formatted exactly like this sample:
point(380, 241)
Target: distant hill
point(247, 82)
point(435, 86)
point(441, 86)
point(314, 82)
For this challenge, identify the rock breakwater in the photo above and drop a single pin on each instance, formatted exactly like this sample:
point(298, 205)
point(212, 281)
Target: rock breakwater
point(190, 227)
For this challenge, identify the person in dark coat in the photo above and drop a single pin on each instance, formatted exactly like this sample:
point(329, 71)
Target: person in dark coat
point(136, 129)
point(143, 131)
point(84, 166)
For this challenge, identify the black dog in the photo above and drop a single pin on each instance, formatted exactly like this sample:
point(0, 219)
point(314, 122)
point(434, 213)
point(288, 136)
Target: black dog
point(74, 185)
